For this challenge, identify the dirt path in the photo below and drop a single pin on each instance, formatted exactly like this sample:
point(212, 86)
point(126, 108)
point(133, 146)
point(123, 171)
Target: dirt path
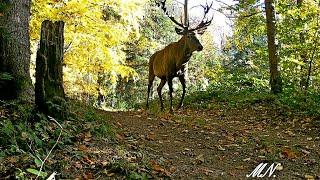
point(222, 144)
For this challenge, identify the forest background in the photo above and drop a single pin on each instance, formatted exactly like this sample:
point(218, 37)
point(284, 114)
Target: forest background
point(266, 55)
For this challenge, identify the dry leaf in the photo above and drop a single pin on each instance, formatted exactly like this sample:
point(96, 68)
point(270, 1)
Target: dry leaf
point(207, 171)
point(87, 136)
point(78, 165)
point(172, 169)
point(309, 177)
point(240, 167)
point(151, 136)
point(156, 166)
point(221, 148)
point(305, 151)
point(230, 138)
point(104, 163)
point(12, 159)
point(110, 174)
point(87, 160)
point(200, 159)
point(288, 153)
point(88, 175)
point(82, 147)
point(279, 167)
point(24, 135)
point(118, 136)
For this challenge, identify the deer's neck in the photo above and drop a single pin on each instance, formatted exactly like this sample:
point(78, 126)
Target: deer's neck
point(184, 51)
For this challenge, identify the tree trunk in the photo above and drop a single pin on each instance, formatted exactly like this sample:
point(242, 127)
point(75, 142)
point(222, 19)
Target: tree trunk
point(15, 81)
point(186, 17)
point(303, 56)
point(49, 76)
point(275, 77)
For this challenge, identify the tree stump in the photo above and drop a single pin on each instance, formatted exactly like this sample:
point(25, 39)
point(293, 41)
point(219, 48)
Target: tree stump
point(49, 91)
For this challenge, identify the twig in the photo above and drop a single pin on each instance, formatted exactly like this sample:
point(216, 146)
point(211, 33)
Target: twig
point(35, 154)
point(42, 164)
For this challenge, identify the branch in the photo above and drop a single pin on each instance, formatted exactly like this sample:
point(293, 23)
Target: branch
point(249, 15)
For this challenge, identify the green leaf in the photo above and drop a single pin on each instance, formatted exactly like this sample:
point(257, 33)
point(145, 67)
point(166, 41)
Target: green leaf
point(37, 161)
point(6, 76)
point(36, 172)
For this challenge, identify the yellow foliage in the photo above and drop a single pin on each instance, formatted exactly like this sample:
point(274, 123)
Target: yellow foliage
point(93, 45)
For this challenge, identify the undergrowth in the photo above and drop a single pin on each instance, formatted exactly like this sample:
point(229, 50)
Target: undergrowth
point(27, 136)
point(295, 100)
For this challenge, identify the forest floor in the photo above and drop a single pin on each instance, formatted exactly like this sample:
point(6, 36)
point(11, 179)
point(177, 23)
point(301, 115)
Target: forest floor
point(223, 143)
point(219, 142)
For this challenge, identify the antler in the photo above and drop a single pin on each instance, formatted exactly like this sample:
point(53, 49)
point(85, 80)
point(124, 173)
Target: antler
point(162, 4)
point(204, 24)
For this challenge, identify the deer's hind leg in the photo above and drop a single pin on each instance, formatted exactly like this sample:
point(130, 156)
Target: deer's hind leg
point(159, 89)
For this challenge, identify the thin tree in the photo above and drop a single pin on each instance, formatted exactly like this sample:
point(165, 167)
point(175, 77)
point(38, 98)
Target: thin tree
point(303, 55)
point(275, 76)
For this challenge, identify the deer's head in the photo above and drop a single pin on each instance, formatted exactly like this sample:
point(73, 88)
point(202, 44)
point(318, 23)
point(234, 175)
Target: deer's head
point(189, 35)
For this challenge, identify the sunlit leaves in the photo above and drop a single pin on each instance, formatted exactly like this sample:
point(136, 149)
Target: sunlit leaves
point(94, 41)
point(297, 27)
point(297, 35)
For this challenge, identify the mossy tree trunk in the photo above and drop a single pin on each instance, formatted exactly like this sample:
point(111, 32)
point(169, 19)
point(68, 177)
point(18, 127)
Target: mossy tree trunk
point(15, 81)
point(50, 96)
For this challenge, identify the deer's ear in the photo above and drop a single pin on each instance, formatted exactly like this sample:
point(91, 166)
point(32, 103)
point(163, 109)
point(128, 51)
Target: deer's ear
point(201, 31)
point(179, 31)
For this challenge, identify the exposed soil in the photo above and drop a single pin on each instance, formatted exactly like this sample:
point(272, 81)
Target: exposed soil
point(220, 143)
point(223, 143)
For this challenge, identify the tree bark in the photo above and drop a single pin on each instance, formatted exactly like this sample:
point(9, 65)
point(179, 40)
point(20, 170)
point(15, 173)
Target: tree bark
point(303, 56)
point(15, 51)
point(186, 17)
point(49, 64)
point(275, 76)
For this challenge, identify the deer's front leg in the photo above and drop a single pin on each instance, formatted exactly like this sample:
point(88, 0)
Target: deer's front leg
point(183, 83)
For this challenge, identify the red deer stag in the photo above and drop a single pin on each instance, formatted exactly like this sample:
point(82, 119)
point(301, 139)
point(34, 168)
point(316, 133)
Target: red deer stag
point(171, 61)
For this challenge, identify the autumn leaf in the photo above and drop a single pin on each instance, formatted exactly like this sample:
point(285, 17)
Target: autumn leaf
point(151, 136)
point(82, 147)
point(308, 177)
point(88, 160)
point(288, 153)
point(120, 137)
point(88, 175)
point(200, 159)
point(156, 166)
point(87, 136)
